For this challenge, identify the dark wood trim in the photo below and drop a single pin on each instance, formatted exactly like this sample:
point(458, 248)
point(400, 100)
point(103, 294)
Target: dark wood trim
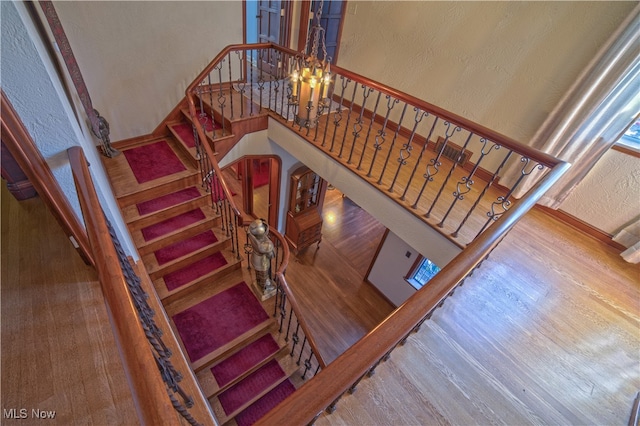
point(285, 23)
point(244, 171)
point(414, 267)
point(18, 141)
point(626, 150)
point(582, 226)
point(303, 29)
point(377, 253)
point(18, 183)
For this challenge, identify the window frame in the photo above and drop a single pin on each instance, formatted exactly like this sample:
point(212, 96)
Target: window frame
point(415, 268)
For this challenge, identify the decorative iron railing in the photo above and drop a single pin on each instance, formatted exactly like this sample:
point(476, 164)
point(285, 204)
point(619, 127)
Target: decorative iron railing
point(451, 184)
point(157, 387)
point(292, 325)
point(443, 168)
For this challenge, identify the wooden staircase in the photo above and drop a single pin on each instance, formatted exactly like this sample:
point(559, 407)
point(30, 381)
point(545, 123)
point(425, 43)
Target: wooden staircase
point(155, 213)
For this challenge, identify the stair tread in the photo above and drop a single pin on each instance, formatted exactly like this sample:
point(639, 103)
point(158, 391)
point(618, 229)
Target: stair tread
point(167, 295)
point(236, 400)
point(223, 352)
point(227, 372)
point(123, 181)
point(196, 248)
point(165, 232)
point(164, 206)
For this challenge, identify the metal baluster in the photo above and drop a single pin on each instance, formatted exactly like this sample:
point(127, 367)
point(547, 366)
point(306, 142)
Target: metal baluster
point(346, 126)
point(405, 152)
point(304, 343)
point(424, 148)
point(261, 76)
point(380, 137)
point(337, 117)
point(366, 141)
point(357, 126)
point(222, 100)
point(283, 312)
point(451, 169)
point(326, 126)
point(503, 201)
point(307, 365)
point(435, 163)
point(230, 79)
point(241, 81)
point(393, 142)
point(286, 335)
point(464, 185)
point(295, 339)
point(276, 89)
point(250, 65)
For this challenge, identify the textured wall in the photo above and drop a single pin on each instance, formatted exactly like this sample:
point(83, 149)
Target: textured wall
point(137, 58)
point(609, 196)
point(31, 84)
point(502, 64)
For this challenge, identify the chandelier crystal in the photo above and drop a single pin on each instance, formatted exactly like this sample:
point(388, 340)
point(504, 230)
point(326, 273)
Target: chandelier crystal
point(310, 79)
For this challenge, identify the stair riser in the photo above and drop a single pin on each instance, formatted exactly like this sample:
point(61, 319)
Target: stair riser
point(196, 286)
point(234, 346)
point(178, 235)
point(188, 259)
point(283, 352)
point(157, 191)
point(160, 215)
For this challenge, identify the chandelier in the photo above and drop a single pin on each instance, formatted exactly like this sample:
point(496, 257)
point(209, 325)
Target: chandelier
point(311, 77)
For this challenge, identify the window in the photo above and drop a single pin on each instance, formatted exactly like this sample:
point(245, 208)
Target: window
point(632, 136)
point(421, 272)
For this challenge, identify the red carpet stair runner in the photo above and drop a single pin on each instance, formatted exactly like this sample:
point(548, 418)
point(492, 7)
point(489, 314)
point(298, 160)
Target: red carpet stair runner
point(228, 337)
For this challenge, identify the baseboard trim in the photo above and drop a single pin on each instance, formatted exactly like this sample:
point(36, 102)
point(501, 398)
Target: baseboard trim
point(582, 226)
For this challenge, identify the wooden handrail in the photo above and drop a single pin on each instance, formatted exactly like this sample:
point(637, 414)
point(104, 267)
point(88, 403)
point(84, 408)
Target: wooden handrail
point(292, 299)
point(148, 390)
point(22, 147)
point(525, 150)
point(329, 384)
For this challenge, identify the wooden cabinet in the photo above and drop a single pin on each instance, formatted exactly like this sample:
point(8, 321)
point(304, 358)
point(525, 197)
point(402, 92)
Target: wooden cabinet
point(304, 218)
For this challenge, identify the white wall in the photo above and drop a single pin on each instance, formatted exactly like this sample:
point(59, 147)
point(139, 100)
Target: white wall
point(502, 64)
point(34, 89)
point(390, 267)
point(609, 196)
point(138, 57)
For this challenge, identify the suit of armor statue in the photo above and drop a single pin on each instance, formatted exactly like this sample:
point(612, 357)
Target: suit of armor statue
point(261, 254)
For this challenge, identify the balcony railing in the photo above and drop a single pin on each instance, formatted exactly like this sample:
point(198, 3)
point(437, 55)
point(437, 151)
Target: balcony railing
point(442, 167)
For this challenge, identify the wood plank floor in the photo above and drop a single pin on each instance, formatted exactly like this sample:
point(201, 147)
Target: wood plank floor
point(545, 332)
point(58, 352)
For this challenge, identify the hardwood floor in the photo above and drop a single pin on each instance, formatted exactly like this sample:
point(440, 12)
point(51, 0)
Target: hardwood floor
point(545, 332)
point(58, 352)
point(329, 282)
